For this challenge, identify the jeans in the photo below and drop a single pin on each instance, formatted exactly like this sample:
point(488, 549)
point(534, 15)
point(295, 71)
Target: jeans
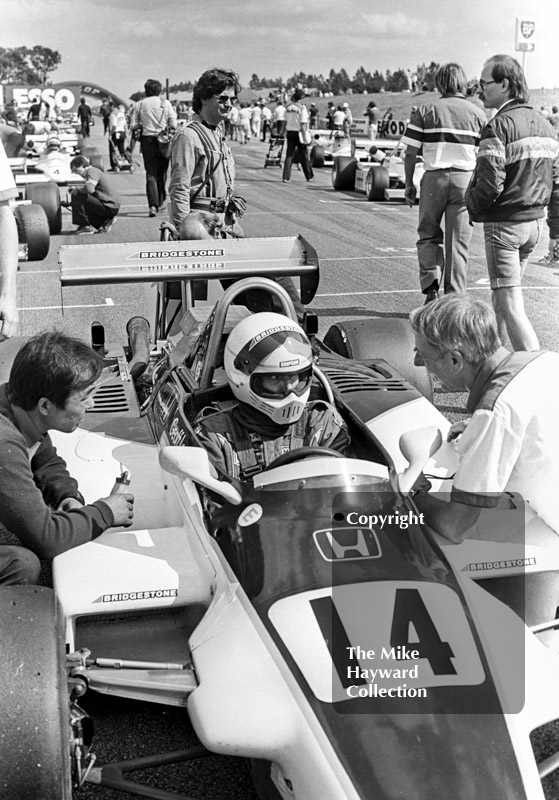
point(443, 257)
point(89, 210)
point(156, 171)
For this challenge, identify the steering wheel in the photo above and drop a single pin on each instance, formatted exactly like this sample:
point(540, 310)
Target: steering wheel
point(303, 452)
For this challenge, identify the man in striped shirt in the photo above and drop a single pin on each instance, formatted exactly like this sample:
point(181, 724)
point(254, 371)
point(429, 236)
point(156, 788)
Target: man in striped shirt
point(447, 133)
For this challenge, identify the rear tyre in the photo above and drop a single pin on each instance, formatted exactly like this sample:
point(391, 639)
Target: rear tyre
point(390, 339)
point(35, 723)
point(33, 230)
point(317, 155)
point(377, 181)
point(47, 196)
point(343, 173)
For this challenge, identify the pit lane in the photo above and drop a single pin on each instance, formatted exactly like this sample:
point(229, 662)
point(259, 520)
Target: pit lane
point(368, 268)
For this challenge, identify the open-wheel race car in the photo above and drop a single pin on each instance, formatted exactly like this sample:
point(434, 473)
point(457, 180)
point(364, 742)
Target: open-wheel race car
point(379, 175)
point(40, 175)
point(328, 145)
point(308, 619)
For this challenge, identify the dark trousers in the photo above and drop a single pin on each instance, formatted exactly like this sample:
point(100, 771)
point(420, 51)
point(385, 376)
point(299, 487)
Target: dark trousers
point(85, 126)
point(293, 144)
point(89, 210)
point(118, 140)
point(156, 171)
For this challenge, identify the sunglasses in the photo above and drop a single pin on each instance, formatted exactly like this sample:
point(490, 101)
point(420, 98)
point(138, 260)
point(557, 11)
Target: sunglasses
point(224, 99)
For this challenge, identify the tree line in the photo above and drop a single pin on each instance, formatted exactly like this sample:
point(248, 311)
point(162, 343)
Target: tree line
point(423, 78)
point(28, 65)
point(340, 82)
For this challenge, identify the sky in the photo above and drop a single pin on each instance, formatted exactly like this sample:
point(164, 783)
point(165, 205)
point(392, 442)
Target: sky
point(120, 43)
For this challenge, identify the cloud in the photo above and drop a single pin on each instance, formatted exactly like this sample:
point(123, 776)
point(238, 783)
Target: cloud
point(399, 26)
point(142, 29)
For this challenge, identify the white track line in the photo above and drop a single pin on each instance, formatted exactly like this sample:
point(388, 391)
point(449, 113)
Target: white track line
point(107, 304)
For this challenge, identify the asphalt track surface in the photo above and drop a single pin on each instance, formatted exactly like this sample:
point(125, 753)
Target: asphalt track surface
point(368, 268)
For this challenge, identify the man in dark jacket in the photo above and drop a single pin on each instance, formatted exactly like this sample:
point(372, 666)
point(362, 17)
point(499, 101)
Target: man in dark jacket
point(515, 179)
point(51, 386)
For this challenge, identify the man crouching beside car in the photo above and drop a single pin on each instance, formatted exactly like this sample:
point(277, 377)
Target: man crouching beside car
point(51, 386)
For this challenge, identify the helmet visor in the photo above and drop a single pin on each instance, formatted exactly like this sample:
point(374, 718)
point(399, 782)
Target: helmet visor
point(278, 385)
point(294, 350)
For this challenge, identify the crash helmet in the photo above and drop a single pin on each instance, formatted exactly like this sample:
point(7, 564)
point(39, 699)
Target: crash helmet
point(268, 362)
point(53, 143)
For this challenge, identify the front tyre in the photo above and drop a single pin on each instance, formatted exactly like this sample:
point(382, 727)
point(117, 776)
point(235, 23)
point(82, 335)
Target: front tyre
point(34, 744)
point(33, 230)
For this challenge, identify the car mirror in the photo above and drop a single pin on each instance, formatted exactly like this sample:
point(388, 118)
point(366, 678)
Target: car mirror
point(417, 447)
point(194, 463)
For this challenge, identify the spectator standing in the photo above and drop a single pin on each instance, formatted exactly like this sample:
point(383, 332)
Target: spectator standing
point(255, 119)
point(279, 117)
point(202, 166)
point(511, 440)
point(338, 120)
point(348, 120)
point(447, 131)
point(266, 121)
point(84, 116)
point(105, 111)
point(51, 386)
point(117, 130)
point(95, 204)
point(152, 116)
point(244, 123)
point(371, 114)
point(297, 129)
point(313, 117)
point(8, 250)
point(330, 112)
point(516, 178)
point(233, 120)
point(554, 117)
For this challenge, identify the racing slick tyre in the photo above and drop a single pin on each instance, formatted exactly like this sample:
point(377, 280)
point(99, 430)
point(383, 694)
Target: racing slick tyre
point(390, 339)
point(376, 182)
point(343, 173)
point(35, 742)
point(33, 231)
point(317, 155)
point(97, 161)
point(47, 196)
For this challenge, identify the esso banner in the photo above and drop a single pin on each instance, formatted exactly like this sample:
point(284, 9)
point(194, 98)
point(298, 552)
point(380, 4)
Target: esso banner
point(63, 99)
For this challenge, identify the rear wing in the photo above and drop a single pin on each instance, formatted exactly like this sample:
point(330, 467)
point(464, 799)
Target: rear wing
point(204, 259)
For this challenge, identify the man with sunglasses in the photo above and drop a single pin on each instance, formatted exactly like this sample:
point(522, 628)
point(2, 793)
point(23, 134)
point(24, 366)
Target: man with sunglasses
point(203, 170)
point(515, 179)
point(202, 166)
point(268, 362)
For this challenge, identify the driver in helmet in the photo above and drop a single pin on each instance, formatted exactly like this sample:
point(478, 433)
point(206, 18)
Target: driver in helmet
point(268, 362)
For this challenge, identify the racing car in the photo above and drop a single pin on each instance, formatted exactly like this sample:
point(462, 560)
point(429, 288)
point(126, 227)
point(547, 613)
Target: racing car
point(327, 145)
point(309, 619)
point(39, 174)
point(380, 175)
